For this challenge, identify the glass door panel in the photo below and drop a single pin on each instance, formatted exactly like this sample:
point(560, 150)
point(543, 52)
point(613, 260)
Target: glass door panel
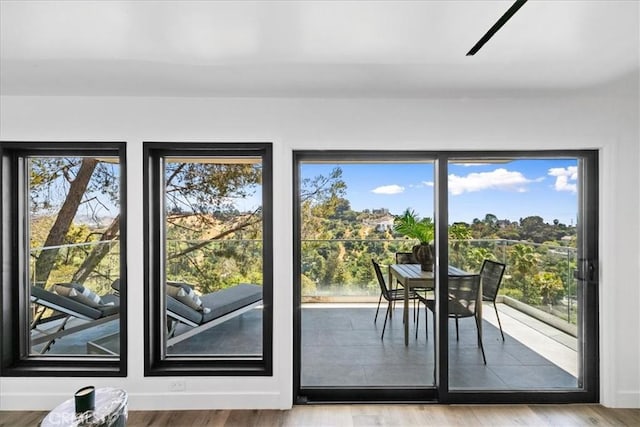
point(347, 212)
point(515, 223)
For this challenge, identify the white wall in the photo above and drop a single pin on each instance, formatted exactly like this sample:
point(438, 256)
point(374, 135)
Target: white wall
point(606, 120)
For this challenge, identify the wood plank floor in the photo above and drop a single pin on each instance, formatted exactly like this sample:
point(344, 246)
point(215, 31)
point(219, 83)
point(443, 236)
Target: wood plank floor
point(373, 415)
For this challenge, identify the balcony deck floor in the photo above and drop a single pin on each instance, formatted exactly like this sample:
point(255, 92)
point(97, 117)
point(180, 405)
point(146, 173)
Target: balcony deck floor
point(341, 347)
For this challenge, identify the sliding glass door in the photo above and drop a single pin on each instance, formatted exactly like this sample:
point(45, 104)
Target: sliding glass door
point(510, 309)
point(522, 224)
point(351, 338)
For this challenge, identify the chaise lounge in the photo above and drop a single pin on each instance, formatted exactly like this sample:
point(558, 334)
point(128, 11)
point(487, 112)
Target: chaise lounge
point(214, 308)
point(92, 310)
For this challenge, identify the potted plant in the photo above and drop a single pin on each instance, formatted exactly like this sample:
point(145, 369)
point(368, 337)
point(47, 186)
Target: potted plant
point(411, 226)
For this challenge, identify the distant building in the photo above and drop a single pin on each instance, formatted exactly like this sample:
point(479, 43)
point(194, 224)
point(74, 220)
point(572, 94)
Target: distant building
point(383, 224)
point(503, 223)
point(381, 211)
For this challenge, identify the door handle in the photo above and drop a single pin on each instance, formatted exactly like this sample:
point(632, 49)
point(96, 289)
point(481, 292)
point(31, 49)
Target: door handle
point(586, 270)
point(592, 271)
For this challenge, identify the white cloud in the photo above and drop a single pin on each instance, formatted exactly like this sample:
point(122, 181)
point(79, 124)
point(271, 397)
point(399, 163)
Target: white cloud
point(388, 189)
point(499, 179)
point(427, 183)
point(563, 178)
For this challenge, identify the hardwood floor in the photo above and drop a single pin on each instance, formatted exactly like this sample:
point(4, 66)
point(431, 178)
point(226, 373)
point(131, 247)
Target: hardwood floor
point(373, 415)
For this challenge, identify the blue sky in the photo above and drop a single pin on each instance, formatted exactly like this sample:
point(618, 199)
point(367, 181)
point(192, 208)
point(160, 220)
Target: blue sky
point(510, 190)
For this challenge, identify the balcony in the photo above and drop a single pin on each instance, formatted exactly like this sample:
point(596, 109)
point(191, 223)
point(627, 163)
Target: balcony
point(341, 344)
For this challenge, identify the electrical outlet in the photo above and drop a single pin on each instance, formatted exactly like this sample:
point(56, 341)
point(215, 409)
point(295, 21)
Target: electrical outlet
point(178, 385)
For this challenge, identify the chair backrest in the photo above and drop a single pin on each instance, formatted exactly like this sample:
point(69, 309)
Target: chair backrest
point(381, 281)
point(406, 258)
point(463, 295)
point(491, 274)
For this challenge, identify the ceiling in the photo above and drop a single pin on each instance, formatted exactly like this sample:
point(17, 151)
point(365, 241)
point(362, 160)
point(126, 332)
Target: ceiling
point(312, 48)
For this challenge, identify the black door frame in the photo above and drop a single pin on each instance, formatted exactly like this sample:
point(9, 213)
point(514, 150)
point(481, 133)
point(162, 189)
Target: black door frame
point(342, 394)
point(587, 228)
point(588, 391)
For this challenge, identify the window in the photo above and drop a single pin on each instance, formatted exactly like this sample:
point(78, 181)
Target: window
point(209, 259)
point(63, 252)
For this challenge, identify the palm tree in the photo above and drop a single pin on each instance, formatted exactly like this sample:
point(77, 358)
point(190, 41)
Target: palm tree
point(410, 225)
point(459, 233)
point(524, 263)
point(477, 257)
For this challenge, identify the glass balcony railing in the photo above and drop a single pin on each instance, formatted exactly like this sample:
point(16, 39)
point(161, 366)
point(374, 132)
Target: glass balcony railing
point(537, 275)
point(93, 264)
point(214, 265)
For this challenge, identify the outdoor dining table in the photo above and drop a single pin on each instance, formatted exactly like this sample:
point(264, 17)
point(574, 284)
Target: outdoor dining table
point(411, 276)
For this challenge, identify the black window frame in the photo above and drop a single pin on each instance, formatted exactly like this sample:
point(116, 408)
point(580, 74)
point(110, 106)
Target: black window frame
point(15, 295)
point(156, 363)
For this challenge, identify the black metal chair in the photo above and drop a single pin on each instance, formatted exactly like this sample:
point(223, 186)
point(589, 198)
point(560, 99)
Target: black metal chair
point(463, 302)
point(491, 274)
point(406, 258)
point(390, 295)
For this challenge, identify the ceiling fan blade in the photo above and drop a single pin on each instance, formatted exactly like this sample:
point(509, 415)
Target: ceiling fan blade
point(499, 23)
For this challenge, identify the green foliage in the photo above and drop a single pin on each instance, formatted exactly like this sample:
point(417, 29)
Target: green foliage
point(50, 177)
point(524, 264)
point(213, 245)
point(459, 236)
point(308, 285)
point(513, 293)
point(549, 286)
point(410, 225)
point(476, 258)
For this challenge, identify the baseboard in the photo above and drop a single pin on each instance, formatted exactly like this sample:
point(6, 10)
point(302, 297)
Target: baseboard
point(154, 401)
point(188, 401)
point(627, 399)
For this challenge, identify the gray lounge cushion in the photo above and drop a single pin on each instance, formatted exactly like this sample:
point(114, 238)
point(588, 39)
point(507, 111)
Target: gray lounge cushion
point(230, 299)
point(73, 306)
point(183, 310)
point(220, 303)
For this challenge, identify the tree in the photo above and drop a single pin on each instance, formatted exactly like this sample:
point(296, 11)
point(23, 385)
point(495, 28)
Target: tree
point(99, 252)
point(490, 219)
point(77, 189)
point(341, 207)
point(320, 196)
point(549, 286)
point(410, 225)
point(524, 262)
point(200, 201)
point(321, 188)
point(459, 234)
point(201, 207)
point(477, 257)
point(533, 228)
